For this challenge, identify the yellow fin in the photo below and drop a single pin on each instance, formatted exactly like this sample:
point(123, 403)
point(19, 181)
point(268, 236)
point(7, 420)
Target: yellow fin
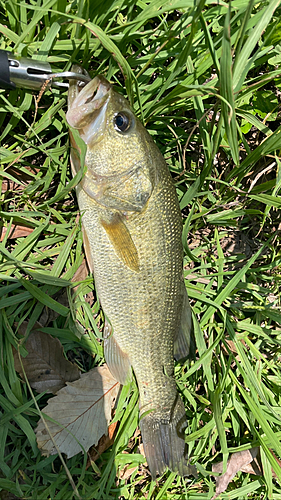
point(122, 242)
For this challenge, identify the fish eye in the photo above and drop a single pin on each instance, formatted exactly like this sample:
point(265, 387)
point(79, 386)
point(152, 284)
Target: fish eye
point(122, 122)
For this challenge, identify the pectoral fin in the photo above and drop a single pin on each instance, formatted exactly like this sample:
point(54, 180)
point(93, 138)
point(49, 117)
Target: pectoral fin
point(183, 338)
point(117, 361)
point(122, 242)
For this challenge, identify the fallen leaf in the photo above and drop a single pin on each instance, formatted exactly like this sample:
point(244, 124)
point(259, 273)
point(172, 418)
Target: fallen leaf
point(104, 443)
point(81, 273)
point(126, 472)
point(80, 413)
point(45, 365)
point(277, 460)
point(238, 461)
point(16, 231)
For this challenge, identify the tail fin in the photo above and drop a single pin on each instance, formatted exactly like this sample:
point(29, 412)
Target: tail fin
point(164, 444)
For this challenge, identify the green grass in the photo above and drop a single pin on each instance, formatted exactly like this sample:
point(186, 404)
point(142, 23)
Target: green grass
point(205, 79)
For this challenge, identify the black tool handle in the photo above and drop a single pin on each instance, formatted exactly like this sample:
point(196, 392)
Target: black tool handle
point(5, 82)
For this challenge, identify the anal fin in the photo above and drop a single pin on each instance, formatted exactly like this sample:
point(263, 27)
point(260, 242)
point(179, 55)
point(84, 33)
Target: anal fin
point(117, 361)
point(183, 337)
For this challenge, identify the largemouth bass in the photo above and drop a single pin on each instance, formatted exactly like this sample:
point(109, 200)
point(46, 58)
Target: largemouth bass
point(132, 238)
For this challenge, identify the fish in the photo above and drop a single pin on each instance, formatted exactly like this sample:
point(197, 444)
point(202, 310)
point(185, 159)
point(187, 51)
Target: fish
point(132, 235)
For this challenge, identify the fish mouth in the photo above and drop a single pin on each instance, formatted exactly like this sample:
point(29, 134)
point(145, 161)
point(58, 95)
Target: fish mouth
point(87, 106)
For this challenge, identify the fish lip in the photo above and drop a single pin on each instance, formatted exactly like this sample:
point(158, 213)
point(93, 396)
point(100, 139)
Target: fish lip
point(75, 86)
point(87, 104)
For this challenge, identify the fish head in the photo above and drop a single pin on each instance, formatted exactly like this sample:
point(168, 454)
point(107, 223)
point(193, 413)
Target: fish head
point(120, 152)
point(87, 106)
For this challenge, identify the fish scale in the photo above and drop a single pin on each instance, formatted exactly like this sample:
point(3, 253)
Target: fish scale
point(132, 226)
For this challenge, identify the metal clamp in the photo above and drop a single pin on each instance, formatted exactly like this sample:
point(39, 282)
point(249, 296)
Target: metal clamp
point(24, 72)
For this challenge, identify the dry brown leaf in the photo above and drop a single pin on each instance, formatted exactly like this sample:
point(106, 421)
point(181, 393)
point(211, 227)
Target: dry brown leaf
point(104, 443)
point(238, 461)
point(82, 272)
point(16, 231)
point(248, 461)
point(277, 460)
point(45, 365)
point(126, 472)
point(82, 411)
point(21, 178)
